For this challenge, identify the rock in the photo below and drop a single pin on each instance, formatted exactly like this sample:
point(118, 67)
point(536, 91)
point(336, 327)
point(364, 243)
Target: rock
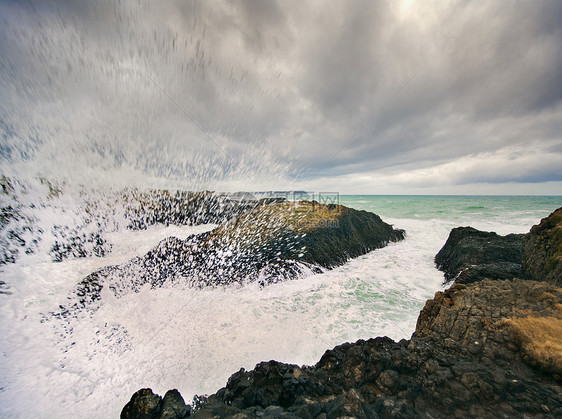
point(72, 243)
point(470, 255)
point(463, 360)
point(542, 250)
point(146, 405)
point(173, 406)
point(268, 244)
point(98, 212)
point(143, 405)
point(324, 235)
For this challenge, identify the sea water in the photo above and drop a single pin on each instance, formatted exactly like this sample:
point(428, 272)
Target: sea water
point(193, 340)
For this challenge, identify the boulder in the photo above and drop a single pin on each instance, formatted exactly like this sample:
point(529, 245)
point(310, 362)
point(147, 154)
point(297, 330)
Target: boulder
point(470, 255)
point(144, 404)
point(269, 243)
point(542, 250)
point(323, 235)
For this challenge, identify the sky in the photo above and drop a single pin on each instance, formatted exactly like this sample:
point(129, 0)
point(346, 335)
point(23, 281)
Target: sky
point(358, 97)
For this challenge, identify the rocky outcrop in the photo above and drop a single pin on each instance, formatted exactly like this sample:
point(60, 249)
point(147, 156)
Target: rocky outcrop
point(489, 348)
point(542, 250)
point(470, 255)
point(146, 405)
point(142, 210)
point(317, 234)
point(464, 360)
point(267, 244)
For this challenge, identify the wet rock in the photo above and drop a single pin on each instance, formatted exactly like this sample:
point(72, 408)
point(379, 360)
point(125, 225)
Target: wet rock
point(72, 243)
point(96, 213)
point(280, 241)
point(173, 406)
point(542, 251)
point(470, 255)
point(146, 405)
point(146, 208)
point(143, 405)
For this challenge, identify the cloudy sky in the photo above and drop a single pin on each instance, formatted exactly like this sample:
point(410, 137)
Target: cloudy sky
point(374, 97)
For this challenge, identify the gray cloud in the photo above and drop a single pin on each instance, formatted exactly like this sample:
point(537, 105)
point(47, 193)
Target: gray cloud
point(280, 87)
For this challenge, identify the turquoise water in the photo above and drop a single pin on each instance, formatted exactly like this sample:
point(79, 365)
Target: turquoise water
point(462, 210)
point(427, 207)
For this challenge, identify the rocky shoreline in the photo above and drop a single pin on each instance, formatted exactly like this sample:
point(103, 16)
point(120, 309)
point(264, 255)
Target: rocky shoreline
point(470, 255)
point(489, 346)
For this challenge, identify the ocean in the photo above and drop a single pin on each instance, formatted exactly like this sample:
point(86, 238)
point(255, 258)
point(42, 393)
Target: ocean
point(193, 340)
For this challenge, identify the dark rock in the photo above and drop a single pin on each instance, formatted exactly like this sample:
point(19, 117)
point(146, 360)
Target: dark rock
point(438, 373)
point(267, 244)
point(98, 212)
point(462, 361)
point(73, 243)
point(143, 405)
point(146, 405)
point(470, 255)
point(542, 251)
point(173, 406)
point(324, 235)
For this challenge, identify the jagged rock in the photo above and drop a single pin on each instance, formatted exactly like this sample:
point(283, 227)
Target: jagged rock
point(96, 213)
point(144, 209)
point(470, 255)
point(173, 406)
point(464, 360)
point(267, 244)
point(542, 251)
point(324, 235)
point(144, 404)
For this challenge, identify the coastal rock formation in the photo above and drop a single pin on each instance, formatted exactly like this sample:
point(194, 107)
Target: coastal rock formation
point(266, 244)
point(542, 251)
point(142, 210)
point(467, 358)
point(470, 255)
point(489, 348)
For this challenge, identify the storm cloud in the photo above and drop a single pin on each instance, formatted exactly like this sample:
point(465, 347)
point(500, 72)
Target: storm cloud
point(358, 96)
